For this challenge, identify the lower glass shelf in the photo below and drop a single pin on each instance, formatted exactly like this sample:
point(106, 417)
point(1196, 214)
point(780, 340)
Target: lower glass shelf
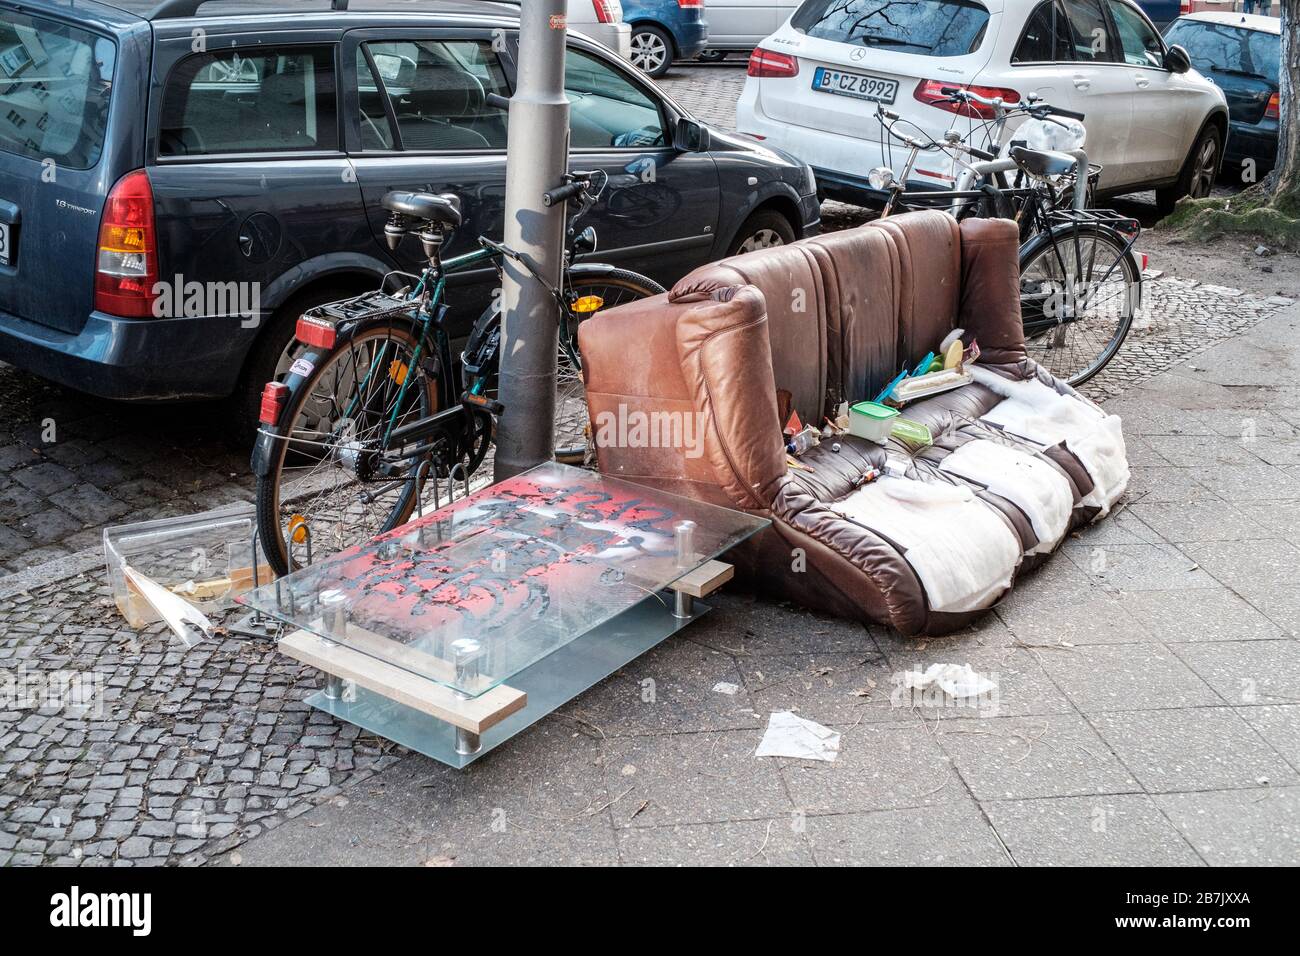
point(550, 682)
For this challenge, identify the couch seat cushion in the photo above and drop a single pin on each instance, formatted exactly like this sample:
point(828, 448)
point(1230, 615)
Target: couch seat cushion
point(961, 549)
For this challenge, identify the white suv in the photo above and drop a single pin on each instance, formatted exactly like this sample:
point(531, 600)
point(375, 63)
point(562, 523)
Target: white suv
point(813, 87)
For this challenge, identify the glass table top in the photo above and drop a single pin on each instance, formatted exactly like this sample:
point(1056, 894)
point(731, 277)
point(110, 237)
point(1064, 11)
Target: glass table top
point(476, 592)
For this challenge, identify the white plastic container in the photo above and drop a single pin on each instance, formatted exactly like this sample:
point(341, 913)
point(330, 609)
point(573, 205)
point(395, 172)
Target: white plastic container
point(872, 421)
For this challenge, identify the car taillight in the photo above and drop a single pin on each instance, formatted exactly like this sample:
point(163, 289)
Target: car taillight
point(930, 92)
point(274, 395)
point(690, 3)
point(603, 12)
point(770, 64)
point(318, 333)
point(126, 270)
point(1271, 111)
point(1184, 7)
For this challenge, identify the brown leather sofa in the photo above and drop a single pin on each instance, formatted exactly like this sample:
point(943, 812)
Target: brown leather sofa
point(1018, 458)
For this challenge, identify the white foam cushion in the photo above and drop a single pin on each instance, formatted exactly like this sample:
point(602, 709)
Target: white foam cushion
point(1035, 412)
point(963, 551)
point(1031, 484)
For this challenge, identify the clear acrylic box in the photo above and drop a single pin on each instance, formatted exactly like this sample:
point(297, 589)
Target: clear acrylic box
point(207, 559)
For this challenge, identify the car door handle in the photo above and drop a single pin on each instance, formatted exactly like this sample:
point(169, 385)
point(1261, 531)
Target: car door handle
point(1081, 82)
point(1142, 82)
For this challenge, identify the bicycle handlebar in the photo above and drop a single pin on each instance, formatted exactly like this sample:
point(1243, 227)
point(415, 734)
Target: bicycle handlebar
point(1038, 110)
point(562, 194)
point(575, 184)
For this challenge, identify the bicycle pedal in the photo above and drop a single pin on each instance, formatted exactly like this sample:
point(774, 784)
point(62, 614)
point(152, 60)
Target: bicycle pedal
point(489, 405)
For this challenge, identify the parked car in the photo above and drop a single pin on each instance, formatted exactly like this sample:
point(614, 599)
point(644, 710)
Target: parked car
point(813, 87)
point(743, 24)
point(1162, 12)
point(663, 31)
point(1240, 52)
point(602, 20)
point(135, 168)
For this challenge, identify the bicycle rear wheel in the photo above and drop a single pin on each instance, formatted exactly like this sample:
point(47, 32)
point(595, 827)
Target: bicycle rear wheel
point(328, 488)
point(1078, 292)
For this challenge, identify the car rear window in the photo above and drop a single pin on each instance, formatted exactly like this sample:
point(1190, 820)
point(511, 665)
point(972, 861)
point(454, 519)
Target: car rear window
point(55, 82)
point(1228, 48)
point(250, 101)
point(924, 27)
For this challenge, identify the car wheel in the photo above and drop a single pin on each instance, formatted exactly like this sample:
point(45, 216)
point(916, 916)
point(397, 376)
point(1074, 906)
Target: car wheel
point(652, 50)
point(712, 56)
point(763, 230)
point(1199, 171)
point(271, 356)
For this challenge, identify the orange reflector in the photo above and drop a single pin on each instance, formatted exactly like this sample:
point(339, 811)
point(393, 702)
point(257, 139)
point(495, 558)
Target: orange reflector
point(397, 371)
point(297, 529)
point(588, 303)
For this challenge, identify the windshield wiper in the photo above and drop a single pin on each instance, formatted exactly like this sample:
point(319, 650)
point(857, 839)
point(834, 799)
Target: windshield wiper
point(886, 41)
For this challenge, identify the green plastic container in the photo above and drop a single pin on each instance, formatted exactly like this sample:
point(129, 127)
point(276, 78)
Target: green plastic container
point(871, 420)
point(904, 429)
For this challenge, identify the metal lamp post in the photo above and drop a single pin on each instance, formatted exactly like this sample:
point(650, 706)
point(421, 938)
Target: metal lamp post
point(536, 159)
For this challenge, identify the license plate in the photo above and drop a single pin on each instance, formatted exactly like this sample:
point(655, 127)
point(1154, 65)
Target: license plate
point(4, 244)
point(858, 85)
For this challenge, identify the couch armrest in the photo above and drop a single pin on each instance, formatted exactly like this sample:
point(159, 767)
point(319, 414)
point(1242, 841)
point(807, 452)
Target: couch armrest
point(681, 395)
point(990, 289)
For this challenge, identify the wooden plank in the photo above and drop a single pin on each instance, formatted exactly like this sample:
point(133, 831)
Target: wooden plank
point(475, 715)
point(405, 657)
point(705, 579)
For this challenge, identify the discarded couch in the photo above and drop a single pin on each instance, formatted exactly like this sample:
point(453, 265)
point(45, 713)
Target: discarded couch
point(1018, 458)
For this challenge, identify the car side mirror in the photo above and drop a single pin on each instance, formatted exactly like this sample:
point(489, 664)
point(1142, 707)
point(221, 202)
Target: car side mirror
point(690, 136)
point(1177, 59)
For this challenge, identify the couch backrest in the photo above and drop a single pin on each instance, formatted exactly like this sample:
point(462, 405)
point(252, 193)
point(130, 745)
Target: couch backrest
point(847, 309)
point(929, 279)
point(860, 271)
point(791, 281)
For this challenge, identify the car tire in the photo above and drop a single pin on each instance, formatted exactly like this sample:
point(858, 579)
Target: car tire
point(762, 230)
point(652, 50)
point(1199, 173)
point(267, 356)
point(712, 56)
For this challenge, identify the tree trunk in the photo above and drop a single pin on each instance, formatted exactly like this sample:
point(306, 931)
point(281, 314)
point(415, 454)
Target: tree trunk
point(1288, 142)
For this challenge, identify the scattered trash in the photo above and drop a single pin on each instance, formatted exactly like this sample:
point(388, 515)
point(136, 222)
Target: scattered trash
point(958, 681)
point(1263, 251)
point(186, 621)
point(791, 736)
point(725, 687)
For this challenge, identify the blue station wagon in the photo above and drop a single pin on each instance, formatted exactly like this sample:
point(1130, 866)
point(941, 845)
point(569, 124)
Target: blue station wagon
point(177, 185)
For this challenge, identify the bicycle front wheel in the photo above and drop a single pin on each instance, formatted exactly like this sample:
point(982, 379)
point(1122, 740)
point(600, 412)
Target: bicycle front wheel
point(1078, 291)
point(593, 294)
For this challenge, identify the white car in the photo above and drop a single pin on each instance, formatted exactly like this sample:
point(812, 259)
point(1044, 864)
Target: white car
point(813, 87)
point(743, 24)
point(602, 21)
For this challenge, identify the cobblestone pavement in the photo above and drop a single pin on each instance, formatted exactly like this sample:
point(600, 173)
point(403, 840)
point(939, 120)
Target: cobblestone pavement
point(133, 750)
point(71, 464)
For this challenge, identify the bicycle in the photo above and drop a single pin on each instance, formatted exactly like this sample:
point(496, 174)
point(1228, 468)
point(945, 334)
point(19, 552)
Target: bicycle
point(1080, 282)
point(369, 415)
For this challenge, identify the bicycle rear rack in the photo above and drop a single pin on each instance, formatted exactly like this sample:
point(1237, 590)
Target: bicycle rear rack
point(1126, 225)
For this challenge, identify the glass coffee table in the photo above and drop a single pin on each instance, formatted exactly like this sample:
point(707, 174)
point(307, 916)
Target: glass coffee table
point(454, 632)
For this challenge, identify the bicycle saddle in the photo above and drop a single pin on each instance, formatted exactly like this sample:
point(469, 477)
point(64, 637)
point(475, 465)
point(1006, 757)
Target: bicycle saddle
point(443, 208)
point(1042, 162)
